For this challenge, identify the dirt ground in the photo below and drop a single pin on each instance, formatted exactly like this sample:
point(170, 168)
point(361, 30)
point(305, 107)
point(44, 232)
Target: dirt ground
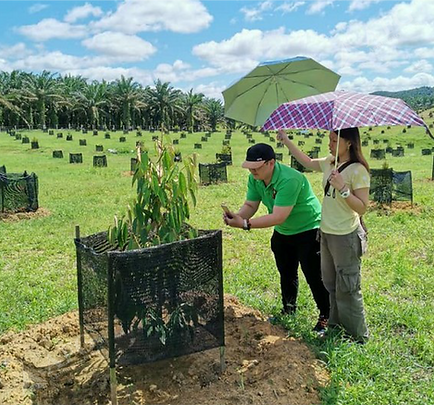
point(45, 366)
point(18, 216)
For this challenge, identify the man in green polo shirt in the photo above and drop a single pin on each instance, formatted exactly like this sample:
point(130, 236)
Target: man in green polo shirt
point(295, 213)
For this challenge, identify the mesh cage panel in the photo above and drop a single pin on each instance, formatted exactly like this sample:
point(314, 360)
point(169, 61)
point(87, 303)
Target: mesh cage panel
point(388, 185)
point(224, 157)
point(402, 186)
point(163, 302)
point(18, 192)
point(213, 173)
point(298, 166)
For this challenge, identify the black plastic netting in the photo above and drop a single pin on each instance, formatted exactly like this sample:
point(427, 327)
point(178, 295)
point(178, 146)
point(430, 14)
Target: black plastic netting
point(149, 304)
point(388, 185)
point(18, 192)
point(298, 166)
point(224, 157)
point(3, 169)
point(212, 173)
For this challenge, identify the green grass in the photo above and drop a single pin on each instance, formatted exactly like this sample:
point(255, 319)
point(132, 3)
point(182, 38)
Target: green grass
point(37, 256)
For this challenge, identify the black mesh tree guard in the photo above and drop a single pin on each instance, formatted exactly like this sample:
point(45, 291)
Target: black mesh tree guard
point(212, 173)
point(133, 164)
point(298, 166)
point(75, 158)
point(100, 161)
point(398, 152)
point(58, 154)
point(224, 157)
point(378, 153)
point(388, 185)
point(150, 304)
point(18, 192)
point(402, 186)
point(3, 169)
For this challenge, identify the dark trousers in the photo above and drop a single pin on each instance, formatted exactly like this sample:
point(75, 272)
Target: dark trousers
point(290, 251)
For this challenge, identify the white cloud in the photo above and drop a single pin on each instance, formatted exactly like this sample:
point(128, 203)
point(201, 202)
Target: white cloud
point(180, 71)
point(4, 66)
point(112, 73)
point(423, 52)
point(237, 53)
point(319, 5)
point(289, 7)
point(419, 66)
point(18, 50)
point(56, 61)
point(211, 90)
point(406, 24)
point(50, 28)
point(366, 85)
point(36, 8)
point(356, 5)
point(82, 12)
point(133, 16)
point(121, 46)
point(255, 13)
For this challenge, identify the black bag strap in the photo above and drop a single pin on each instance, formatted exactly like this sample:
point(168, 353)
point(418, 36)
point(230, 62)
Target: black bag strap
point(340, 169)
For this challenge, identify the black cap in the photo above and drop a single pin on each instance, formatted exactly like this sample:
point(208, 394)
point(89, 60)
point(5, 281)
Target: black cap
point(257, 154)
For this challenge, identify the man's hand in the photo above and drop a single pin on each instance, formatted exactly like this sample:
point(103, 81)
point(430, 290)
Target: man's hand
point(235, 222)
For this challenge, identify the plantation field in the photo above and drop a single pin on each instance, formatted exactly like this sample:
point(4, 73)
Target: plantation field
point(37, 255)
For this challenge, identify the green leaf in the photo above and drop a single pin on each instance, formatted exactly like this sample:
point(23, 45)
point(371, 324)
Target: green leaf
point(182, 183)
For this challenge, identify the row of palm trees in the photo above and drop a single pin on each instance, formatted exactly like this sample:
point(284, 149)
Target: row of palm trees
point(49, 100)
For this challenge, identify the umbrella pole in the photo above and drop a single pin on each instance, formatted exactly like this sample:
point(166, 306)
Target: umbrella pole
point(337, 149)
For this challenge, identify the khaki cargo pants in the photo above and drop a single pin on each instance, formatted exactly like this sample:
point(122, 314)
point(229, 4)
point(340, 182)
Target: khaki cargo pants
point(340, 268)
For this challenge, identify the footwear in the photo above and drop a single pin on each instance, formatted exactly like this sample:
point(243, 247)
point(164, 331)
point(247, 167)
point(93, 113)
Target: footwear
point(321, 325)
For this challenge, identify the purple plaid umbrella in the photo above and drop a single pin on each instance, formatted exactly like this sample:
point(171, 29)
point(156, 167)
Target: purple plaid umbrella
point(339, 109)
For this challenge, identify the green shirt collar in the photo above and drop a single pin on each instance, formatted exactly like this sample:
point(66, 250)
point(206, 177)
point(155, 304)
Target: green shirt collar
point(276, 174)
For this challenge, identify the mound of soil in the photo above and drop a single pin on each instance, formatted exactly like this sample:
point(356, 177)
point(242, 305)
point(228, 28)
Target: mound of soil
point(18, 216)
point(44, 365)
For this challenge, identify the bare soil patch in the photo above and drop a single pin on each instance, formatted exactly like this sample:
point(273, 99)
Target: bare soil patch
point(395, 207)
point(19, 216)
point(44, 365)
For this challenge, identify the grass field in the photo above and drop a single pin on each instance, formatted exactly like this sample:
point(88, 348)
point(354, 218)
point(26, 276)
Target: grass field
point(37, 256)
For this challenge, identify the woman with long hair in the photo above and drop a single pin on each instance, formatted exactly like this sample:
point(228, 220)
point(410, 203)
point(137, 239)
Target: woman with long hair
point(346, 184)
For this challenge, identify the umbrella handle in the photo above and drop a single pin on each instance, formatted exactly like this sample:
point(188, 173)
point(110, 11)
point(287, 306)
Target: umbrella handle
point(337, 149)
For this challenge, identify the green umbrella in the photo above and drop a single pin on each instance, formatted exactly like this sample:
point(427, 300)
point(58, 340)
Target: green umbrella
point(256, 95)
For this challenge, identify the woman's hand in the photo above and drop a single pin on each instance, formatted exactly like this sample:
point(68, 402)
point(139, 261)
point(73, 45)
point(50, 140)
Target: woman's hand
point(282, 135)
point(336, 180)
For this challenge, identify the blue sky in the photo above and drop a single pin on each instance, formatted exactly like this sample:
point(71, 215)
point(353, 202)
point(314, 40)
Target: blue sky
point(206, 45)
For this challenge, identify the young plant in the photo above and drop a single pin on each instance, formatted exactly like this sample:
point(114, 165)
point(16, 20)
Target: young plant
point(226, 150)
point(161, 207)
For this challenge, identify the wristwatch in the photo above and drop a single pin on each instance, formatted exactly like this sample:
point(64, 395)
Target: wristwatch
point(345, 193)
point(246, 224)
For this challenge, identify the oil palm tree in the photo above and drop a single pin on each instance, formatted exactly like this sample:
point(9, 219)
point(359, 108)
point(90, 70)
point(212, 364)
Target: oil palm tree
point(214, 112)
point(128, 94)
point(93, 100)
point(70, 87)
point(191, 102)
point(163, 101)
point(41, 90)
point(12, 109)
